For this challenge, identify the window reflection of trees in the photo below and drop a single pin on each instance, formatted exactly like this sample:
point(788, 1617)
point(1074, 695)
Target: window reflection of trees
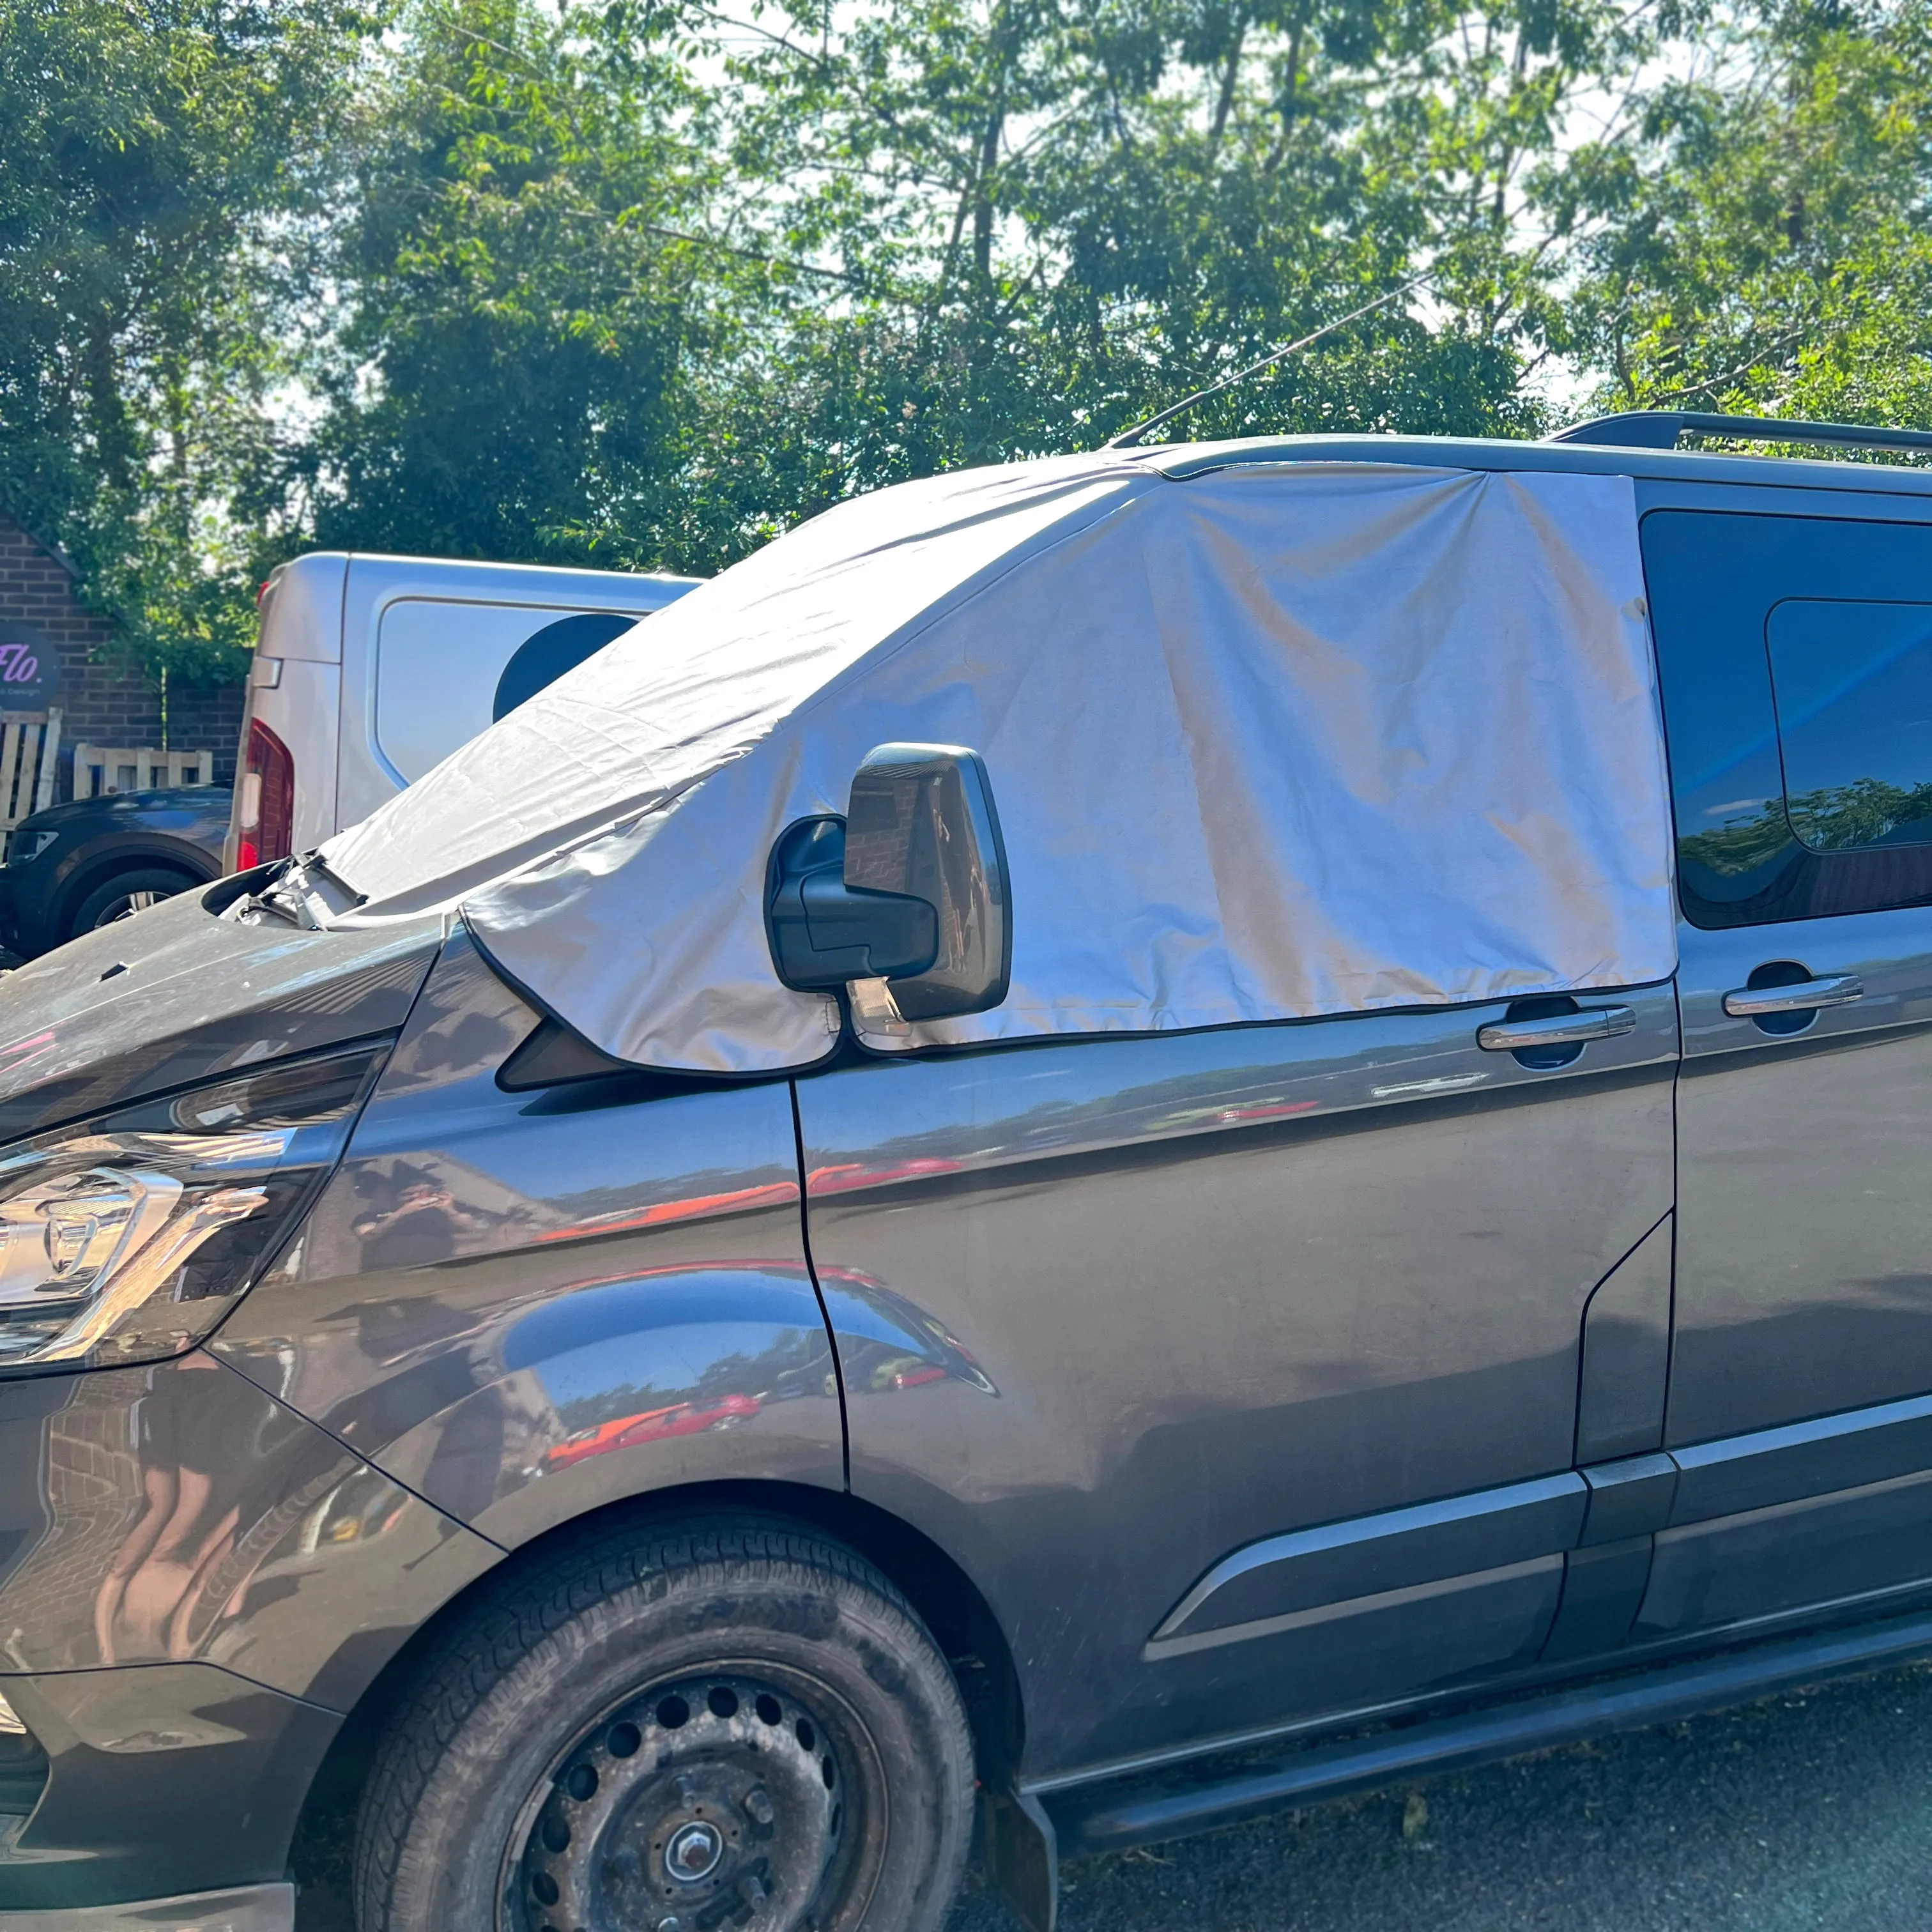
point(1841, 818)
point(1868, 812)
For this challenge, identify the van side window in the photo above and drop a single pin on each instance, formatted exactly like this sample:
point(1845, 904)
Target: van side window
point(1853, 687)
point(1795, 655)
point(446, 669)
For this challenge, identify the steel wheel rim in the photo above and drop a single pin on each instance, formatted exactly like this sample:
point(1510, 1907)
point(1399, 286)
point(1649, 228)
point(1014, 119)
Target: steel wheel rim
point(667, 1789)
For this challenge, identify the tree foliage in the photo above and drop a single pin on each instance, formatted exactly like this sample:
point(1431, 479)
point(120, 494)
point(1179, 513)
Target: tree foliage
point(640, 282)
point(1765, 244)
point(160, 161)
point(517, 367)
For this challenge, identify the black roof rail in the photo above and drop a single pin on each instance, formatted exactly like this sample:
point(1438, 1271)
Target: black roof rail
point(1659, 429)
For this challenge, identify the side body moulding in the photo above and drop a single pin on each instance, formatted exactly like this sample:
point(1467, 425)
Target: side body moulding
point(1496, 1540)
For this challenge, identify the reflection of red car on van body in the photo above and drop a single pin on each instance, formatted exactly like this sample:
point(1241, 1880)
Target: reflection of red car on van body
point(850, 1174)
point(654, 1425)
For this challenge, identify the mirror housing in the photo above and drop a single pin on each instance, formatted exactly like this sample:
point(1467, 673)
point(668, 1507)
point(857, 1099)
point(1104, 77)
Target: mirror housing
point(910, 888)
point(822, 933)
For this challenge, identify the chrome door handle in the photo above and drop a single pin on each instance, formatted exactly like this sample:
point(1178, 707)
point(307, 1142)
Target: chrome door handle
point(1557, 1029)
point(1839, 989)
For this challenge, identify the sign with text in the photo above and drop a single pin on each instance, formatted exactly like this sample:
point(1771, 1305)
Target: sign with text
point(30, 671)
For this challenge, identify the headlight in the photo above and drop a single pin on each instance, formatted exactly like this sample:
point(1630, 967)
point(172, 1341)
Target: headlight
point(23, 843)
point(128, 1239)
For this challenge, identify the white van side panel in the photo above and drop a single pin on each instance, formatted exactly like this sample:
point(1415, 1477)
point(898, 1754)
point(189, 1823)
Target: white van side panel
point(424, 642)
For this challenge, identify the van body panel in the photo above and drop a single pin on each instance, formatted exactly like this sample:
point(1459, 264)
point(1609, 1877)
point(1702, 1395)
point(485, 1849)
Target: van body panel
point(526, 1305)
point(209, 1804)
point(302, 610)
point(295, 686)
point(174, 995)
point(317, 680)
point(317, 1567)
point(1226, 1287)
point(1791, 1316)
point(367, 776)
point(1262, 1381)
point(1795, 647)
point(303, 710)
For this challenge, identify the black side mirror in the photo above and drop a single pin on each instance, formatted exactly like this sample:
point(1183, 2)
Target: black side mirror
point(822, 932)
point(909, 888)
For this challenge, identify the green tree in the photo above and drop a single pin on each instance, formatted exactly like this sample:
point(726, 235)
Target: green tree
point(600, 310)
point(1063, 215)
point(161, 156)
point(1765, 246)
point(536, 288)
point(640, 282)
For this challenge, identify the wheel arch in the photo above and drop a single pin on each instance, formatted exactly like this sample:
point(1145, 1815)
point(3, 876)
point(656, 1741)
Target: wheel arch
point(96, 868)
point(952, 1605)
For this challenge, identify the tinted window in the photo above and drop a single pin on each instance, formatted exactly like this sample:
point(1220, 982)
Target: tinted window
point(1796, 660)
point(1853, 687)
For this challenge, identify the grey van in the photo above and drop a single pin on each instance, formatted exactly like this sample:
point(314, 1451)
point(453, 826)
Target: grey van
point(687, 1499)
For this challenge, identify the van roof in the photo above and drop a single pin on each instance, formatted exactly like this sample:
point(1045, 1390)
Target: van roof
point(1181, 460)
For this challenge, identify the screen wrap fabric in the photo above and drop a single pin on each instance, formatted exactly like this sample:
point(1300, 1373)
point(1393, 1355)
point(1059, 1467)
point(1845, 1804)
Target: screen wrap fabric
point(1274, 741)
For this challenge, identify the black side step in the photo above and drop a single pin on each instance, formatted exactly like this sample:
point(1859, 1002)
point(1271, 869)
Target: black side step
point(1105, 1816)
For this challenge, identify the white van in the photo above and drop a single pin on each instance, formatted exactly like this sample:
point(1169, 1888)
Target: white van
point(368, 671)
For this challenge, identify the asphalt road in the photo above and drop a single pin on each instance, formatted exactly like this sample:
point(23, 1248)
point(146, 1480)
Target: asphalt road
point(1812, 1811)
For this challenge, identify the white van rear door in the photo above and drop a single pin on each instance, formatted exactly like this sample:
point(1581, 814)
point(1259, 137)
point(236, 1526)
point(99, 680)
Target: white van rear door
point(295, 685)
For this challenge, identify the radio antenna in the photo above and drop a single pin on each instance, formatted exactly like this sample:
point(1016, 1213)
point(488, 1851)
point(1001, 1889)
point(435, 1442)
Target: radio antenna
point(1131, 439)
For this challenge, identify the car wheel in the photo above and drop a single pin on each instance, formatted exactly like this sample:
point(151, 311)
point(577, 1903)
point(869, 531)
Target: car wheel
point(731, 1724)
point(126, 893)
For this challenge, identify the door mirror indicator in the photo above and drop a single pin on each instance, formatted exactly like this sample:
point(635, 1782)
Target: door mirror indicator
point(909, 889)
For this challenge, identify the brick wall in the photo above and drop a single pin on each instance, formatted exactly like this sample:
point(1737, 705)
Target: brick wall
point(205, 718)
point(104, 701)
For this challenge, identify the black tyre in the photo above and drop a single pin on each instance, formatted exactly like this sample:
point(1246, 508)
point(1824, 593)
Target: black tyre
point(126, 893)
point(730, 1724)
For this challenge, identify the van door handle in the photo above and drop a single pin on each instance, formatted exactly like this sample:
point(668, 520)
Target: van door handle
point(1557, 1029)
point(1839, 989)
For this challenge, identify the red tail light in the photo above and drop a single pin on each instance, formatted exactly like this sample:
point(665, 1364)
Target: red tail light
point(267, 817)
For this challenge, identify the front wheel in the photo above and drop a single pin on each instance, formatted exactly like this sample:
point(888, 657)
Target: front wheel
point(733, 1724)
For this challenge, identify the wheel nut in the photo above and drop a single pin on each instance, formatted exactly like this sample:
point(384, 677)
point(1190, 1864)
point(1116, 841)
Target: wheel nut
point(753, 1890)
point(687, 1791)
point(758, 1805)
point(692, 1853)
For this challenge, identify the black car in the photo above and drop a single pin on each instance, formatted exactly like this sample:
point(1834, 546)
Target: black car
point(74, 867)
